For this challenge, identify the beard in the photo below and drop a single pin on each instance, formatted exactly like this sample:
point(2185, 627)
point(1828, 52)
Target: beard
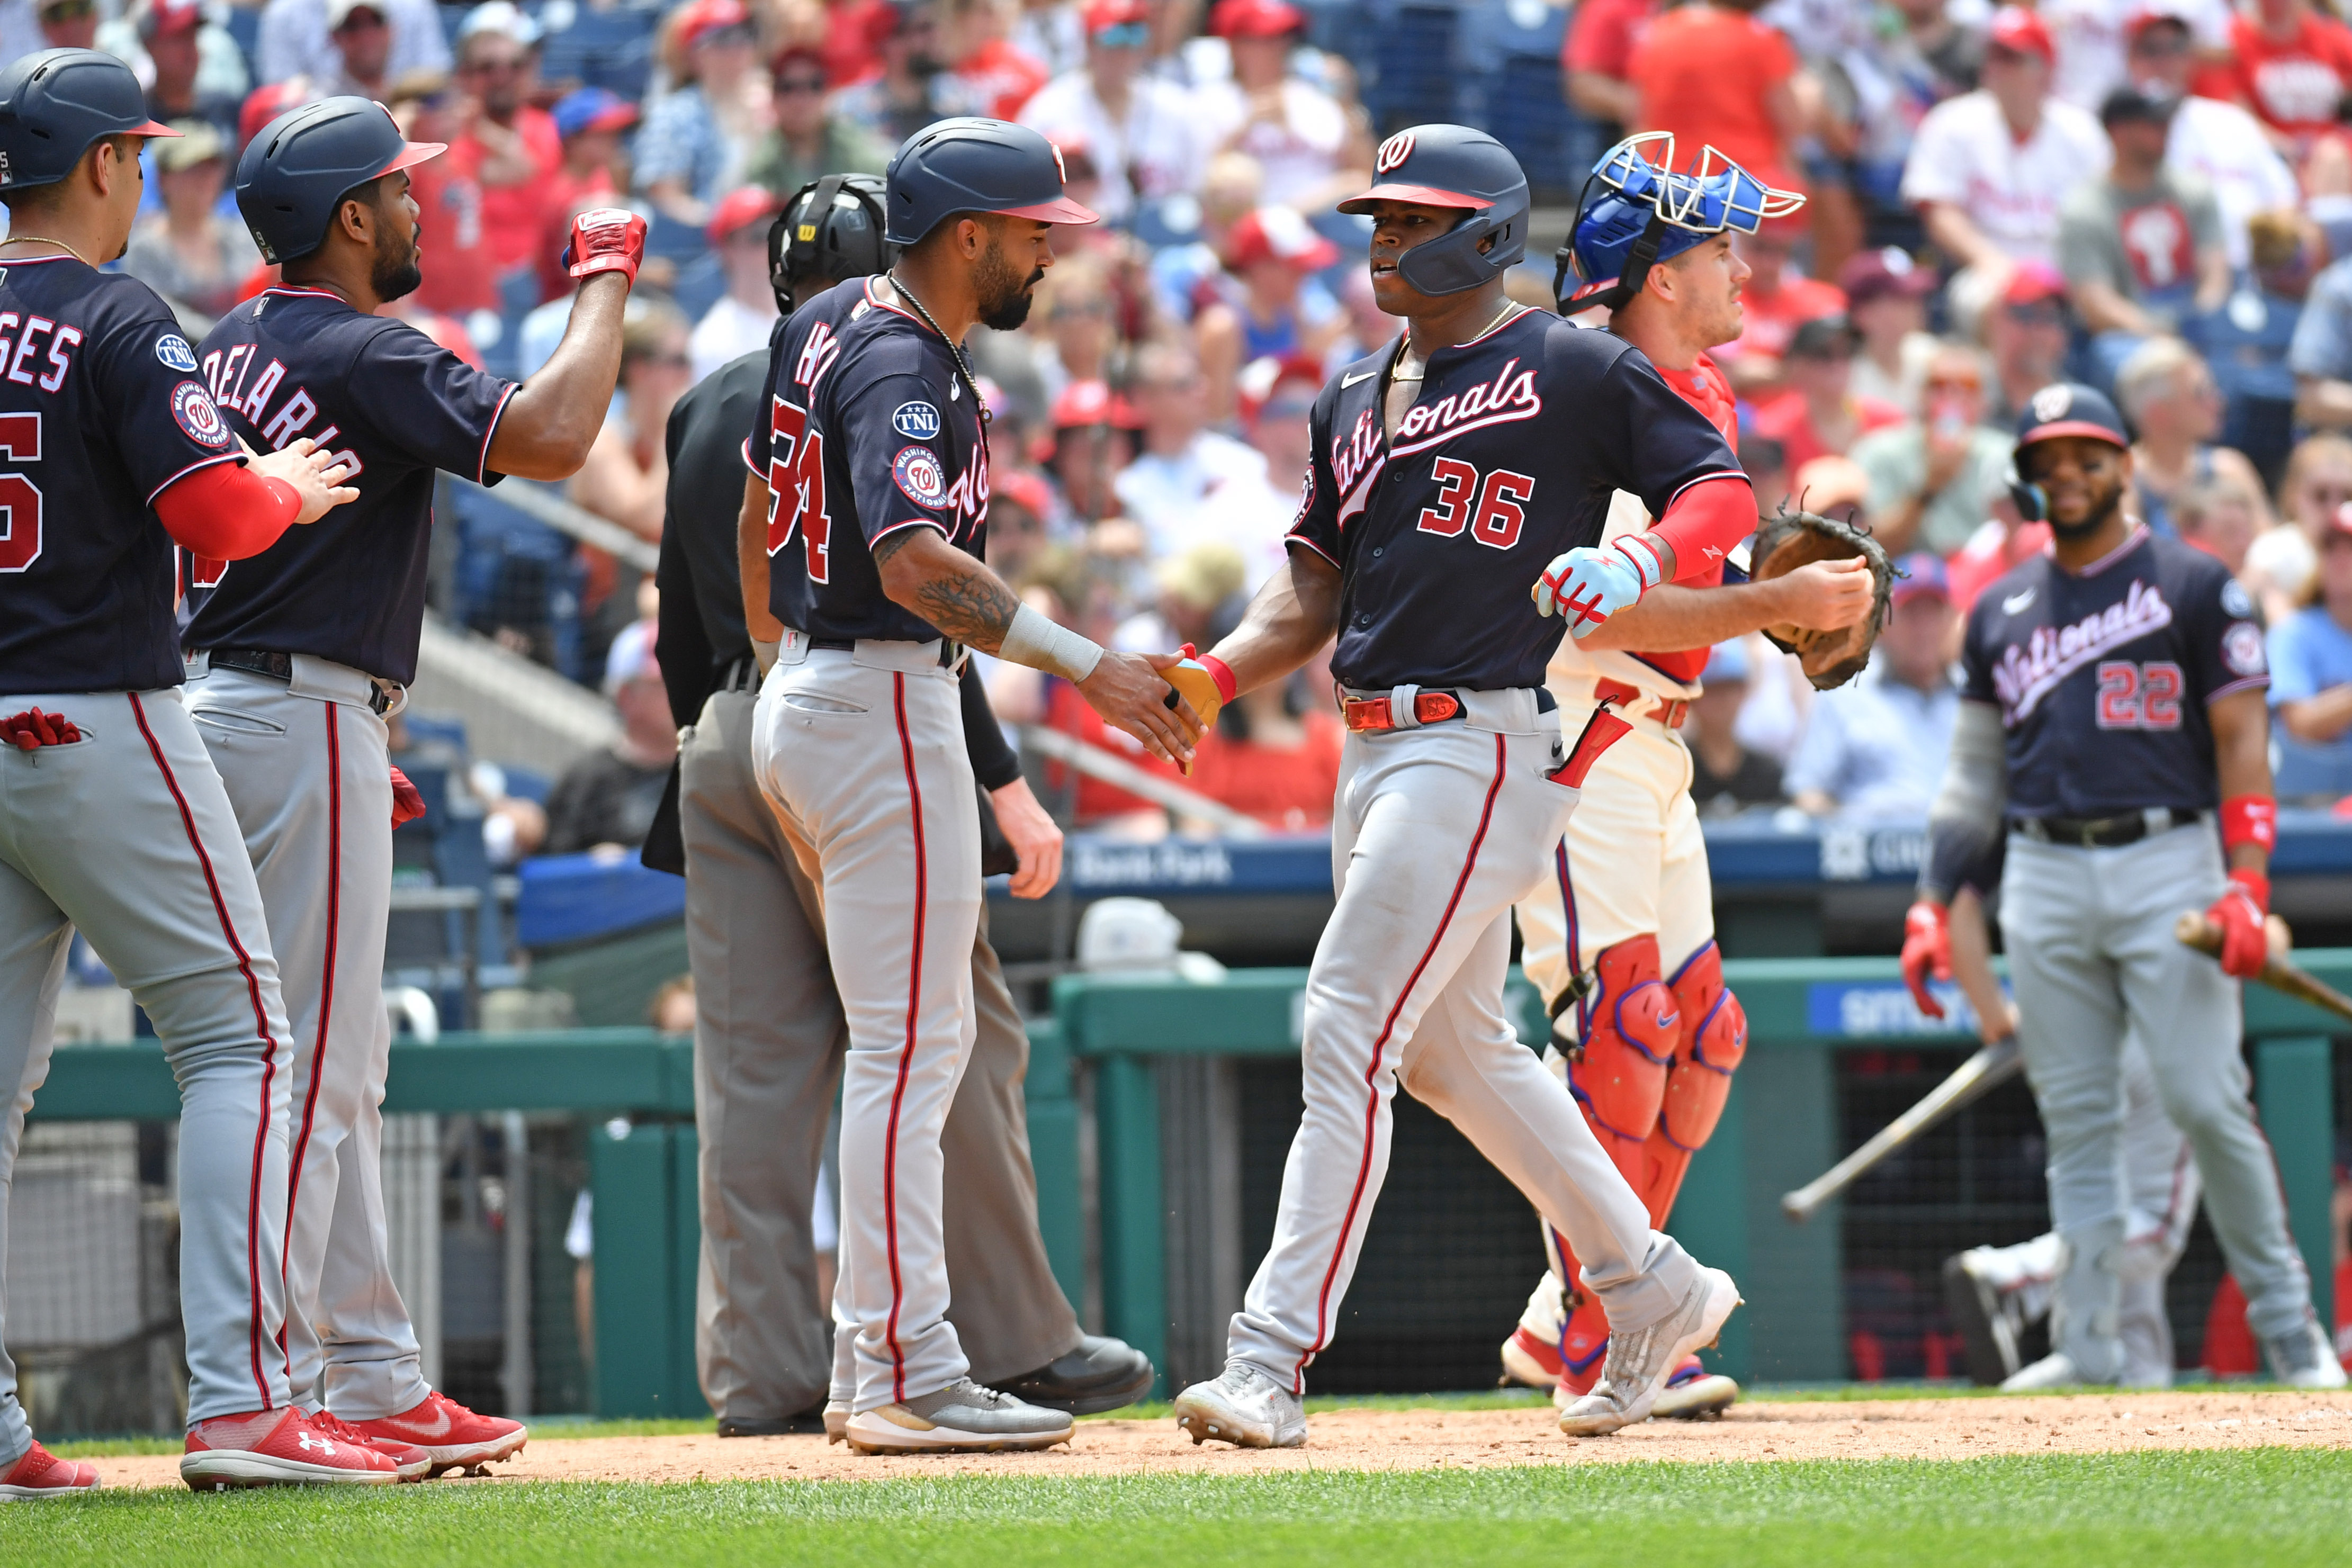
point(1004, 294)
point(2094, 520)
point(393, 272)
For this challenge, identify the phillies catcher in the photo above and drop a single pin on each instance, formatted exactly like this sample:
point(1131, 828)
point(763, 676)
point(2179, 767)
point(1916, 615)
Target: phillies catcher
point(1619, 936)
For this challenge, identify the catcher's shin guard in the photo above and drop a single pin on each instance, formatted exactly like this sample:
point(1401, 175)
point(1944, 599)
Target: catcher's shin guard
point(1619, 1073)
point(1714, 1040)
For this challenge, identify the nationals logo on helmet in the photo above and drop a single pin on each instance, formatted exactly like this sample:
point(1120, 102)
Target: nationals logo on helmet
point(1393, 153)
point(2052, 402)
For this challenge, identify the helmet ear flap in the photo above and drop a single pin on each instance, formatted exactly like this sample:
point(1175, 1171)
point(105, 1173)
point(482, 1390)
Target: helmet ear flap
point(2032, 501)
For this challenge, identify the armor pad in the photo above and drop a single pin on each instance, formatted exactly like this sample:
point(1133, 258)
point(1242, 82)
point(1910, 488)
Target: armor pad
point(1620, 1074)
point(1715, 1040)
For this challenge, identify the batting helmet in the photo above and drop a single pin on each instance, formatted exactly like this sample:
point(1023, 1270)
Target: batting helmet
point(1633, 213)
point(968, 165)
point(1453, 166)
point(54, 104)
point(830, 230)
point(2062, 408)
point(294, 175)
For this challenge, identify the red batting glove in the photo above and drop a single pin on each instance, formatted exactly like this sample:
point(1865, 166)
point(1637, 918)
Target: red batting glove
point(2239, 913)
point(1927, 949)
point(407, 801)
point(605, 239)
point(33, 729)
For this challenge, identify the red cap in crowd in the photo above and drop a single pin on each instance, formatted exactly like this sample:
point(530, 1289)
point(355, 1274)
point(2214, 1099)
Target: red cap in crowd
point(1102, 15)
point(1278, 234)
point(1023, 488)
point(737, 208)
point(2148, 16)
point(1876, 273)
point(266, 103)
point(2033, 282)
point(1268, 374)
point(698, 18)
point(2021, 32)
point(1090, 402)
point(1255, 19)
point(165, 17)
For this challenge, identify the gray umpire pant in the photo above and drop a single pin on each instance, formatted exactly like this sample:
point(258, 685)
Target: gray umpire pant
point(2091, 954)
point(769, 1038)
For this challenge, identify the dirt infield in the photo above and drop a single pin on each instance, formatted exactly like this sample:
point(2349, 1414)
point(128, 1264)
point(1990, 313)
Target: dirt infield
point(1419, 1439)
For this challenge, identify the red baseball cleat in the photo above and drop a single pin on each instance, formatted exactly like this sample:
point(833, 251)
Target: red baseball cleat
point(278, 1448)
point(411, 1462)
point(452, 1436)
point(41, 1474)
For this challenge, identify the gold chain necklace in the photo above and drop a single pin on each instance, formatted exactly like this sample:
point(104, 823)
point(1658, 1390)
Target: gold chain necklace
point(963, 366)
point(1510, 306)
point(44, 239)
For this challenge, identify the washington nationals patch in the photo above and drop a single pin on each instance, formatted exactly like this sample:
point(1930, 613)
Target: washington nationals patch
point(917, 473)
point(193, 407)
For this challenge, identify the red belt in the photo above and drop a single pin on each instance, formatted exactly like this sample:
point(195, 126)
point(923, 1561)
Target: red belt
point(1372, 713)
point(1668, 712)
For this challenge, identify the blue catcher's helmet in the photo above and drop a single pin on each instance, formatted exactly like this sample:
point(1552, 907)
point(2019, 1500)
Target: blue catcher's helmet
point(1634, 213)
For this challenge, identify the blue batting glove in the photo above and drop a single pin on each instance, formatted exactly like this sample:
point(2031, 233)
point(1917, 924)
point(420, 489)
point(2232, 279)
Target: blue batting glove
point(1588, 586)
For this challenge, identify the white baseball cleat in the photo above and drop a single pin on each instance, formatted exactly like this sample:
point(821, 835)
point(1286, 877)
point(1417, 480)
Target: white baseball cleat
point(1641, 1360)
point(2056, 1370)
point(1243, 1408)
point(962, 1418)
point(1694, 1394)
point(2305, 1359)
point(836, 1421)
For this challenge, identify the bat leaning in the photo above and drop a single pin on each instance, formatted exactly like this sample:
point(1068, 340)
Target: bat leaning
point(1986, 1071)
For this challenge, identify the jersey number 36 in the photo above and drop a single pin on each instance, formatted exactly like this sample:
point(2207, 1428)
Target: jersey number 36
point(796, 488)
point(1493, 511)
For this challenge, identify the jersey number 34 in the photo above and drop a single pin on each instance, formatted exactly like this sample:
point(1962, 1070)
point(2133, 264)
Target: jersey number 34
point(796, 488)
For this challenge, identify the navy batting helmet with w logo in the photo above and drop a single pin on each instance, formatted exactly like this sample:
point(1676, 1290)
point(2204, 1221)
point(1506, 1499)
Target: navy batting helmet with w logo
point(1453, 166)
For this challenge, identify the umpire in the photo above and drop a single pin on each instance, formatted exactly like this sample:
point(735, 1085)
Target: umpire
point(770, 1034)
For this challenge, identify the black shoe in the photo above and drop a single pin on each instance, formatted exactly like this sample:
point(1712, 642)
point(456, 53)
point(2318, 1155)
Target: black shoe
point(1975, 1312)
point(1100, 1375)
point(801, 1425)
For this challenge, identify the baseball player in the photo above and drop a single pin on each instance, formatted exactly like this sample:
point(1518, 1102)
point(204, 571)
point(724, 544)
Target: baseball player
point(111, 819)
point(2113, 715)
point(1645, 1033)
point(297, 655)
point(768, 1028)
point(1444, 471)
point(864, 577)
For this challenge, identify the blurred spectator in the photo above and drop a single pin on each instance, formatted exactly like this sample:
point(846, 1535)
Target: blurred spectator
point(588, 122)
point(628, 468)
point(1274, 755)
point(1933, 477)
point(1198, 596)
point(2283, 562)
point(1138, 129)
point(2168, 394)
point(2024, 329)
point(503, 141)
point(1726, 776)
point(1597, 55)
point(1275, 312)
point(172, 32)
point(2005, 540)
point(295, 40)
point(608, 798)
point(1876, 750)
point(810, 140)
point(697, 137)
point(1053, 34)
point(1832, 485)
point(1092, 440)
point(981, 72)
point(1875, 90)
point(2311, 674)
point(738, 321)
point(1074, 325)
point(2218, 142)
point(1990, 168)
point(362, 35)
point(2247, 343)
point(459, 279)
point(66, 23)
point(1182, 275)
point(1886, 300)
point(1712, 74)
point(189, 252)
point(1305, 145)
point(1766, 464)
point(895, 102)
point(1017, 512)
point(2221, 517)
point(1168, 488)
point(2321, 353)
point(2141, 247)
point(1774, 302)
point(1819, 415)
point(2290, 65)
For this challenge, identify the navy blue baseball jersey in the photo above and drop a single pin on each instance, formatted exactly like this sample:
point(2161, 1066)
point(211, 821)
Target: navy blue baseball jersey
point(1506, 458)
point(99, 410)
point(864, 429)
point(2103, 677)
point(395, 406)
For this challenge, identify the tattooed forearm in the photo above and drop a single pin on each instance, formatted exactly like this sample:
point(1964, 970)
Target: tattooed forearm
point(971, 606)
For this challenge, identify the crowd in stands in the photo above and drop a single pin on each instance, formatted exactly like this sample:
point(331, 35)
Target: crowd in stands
point(2154, 196)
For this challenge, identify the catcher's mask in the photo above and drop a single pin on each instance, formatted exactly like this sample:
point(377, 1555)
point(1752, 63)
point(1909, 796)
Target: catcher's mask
point(1634, 213)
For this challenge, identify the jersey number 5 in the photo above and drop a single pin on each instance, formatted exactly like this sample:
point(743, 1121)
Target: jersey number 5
point(20, 500)
point(796, 488)
point(1494, 517)
point(2140, 696)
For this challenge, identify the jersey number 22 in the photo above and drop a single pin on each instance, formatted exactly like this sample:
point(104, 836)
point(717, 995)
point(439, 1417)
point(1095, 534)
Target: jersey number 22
point(796, 488)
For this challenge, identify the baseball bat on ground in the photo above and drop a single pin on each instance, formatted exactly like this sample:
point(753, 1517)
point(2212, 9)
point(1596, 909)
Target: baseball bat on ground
point(2195, 931)
point(1989, 1069)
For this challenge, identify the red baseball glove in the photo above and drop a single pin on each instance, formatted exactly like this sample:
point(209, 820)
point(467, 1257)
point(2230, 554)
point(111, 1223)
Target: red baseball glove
point(407, 802)
point(605, 239)
point(33, 729)
point(1927, 949)
point(2239, 913)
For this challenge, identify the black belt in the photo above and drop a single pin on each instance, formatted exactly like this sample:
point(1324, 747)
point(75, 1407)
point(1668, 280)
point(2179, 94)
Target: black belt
point(739, 675)
point(280, 667)
point(2102, 832)
point(950, 649)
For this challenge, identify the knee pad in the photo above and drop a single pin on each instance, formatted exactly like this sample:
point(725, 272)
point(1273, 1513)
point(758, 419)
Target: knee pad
point(1619, 1073)
point(1714, 1040)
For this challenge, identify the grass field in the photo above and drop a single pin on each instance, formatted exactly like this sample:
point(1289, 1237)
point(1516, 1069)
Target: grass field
point(2254, 1507)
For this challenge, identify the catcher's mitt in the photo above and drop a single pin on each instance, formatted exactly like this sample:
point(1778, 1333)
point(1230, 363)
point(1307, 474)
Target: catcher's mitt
point(1790, 539)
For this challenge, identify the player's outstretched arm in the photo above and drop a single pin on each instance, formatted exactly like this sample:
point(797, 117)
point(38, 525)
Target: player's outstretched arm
point(225, 512)
point(1820, 596)
point(751, 567)
point(923, 573)
point(1589, 585)
point(553, 419)
point(1294, 614)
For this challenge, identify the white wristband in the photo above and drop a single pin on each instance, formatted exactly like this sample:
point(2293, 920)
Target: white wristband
point(1035, 640)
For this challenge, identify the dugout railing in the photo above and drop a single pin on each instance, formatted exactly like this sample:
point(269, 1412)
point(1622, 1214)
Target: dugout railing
point(1157, 1115)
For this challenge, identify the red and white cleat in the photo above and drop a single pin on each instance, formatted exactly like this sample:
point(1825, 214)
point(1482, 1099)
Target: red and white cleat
point(453, 1437)
point(411, 1462)
point(278, 1448)
point(41, 1474)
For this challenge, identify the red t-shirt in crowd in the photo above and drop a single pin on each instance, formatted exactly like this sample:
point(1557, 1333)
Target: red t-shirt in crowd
point(1768, 321)
point(1288, 789)
point(1601, 35)
point(1788, 420)
point(514, 217)
point(566, 193)
point(993, 80)
point(1704, 74)
point(853, 28)
point(458, 273)
point(2292, 86)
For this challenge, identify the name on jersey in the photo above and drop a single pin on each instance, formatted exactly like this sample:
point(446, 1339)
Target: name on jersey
point(1510, 396)
point(2028, 672)
point(16, 350)
point(256, 394)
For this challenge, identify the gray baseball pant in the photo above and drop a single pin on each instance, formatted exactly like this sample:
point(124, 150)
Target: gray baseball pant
point(307, 768)
point(2092, 954)
point(768, 1040)
point(1435, 833)
point(127, 836)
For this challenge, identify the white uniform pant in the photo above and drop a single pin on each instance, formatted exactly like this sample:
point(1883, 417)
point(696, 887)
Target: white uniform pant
point(862, 753)
point(1435, 833)
point(311, 784)
point(127, 836)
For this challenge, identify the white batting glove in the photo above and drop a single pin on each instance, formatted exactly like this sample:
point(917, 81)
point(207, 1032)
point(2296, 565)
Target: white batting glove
point(1589, 586)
